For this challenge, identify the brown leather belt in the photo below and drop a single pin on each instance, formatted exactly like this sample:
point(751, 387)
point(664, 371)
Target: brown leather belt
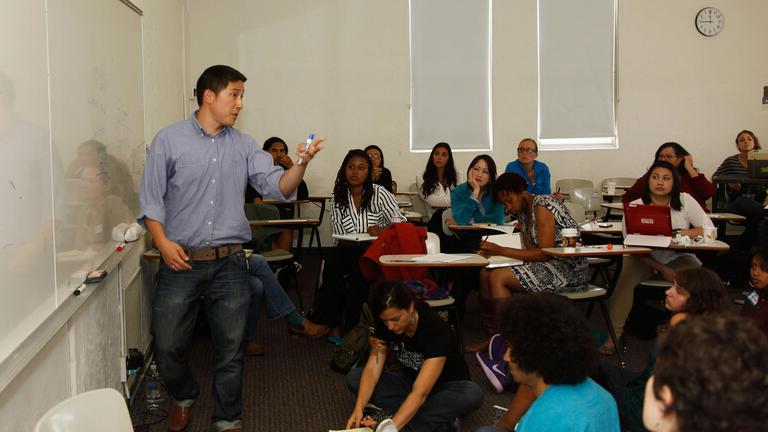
point(210, 254)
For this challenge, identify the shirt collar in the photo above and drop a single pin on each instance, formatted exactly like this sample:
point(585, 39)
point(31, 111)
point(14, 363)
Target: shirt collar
point(199, 128)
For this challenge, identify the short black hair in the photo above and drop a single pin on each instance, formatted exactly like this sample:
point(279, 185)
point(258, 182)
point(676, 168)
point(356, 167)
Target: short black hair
point(510, 183)
point(548, 336)
point(216, 78)
point(274, 140)
point(715, 367)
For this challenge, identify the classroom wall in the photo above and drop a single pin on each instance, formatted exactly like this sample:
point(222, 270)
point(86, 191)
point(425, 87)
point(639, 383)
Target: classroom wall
point(340, 68)
point(85, 353)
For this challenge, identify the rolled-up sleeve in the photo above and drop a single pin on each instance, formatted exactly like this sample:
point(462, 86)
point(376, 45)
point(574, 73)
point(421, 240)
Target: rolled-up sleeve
point(154, 182)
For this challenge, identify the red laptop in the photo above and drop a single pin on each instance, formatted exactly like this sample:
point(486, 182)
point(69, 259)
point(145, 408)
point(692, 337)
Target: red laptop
point(648, 219)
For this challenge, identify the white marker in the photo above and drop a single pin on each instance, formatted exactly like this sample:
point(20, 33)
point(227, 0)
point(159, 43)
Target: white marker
point(306, 146)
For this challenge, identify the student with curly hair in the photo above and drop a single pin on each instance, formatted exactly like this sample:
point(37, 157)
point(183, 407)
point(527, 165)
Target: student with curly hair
point(358, 206)
point(551, 352)
point(756, 304)
point(709, 376)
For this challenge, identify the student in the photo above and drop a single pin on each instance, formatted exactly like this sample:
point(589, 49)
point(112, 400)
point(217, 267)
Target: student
point(535, 173)
point(691, 181)
point(192, 204)
point(358, 206)
point(551, 352)
point(381, 175)
point(438, 179)
point(279, 150)
point(541, 220)
point(756, 303)
point(709, 376)
point(696, 292)
point(744, 199)
point(688, 218)
point(433, 387)
point(472, 201)
point(264, 285)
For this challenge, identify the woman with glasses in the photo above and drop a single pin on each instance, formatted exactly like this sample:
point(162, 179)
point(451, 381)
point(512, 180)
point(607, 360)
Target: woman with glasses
point(535, 173)
point(692, 181)
point(381, 175)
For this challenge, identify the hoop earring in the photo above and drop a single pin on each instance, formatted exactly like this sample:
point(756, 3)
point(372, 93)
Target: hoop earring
point(411, 320)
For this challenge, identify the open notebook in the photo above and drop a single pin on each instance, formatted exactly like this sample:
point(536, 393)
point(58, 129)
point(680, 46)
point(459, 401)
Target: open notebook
point(504, 240)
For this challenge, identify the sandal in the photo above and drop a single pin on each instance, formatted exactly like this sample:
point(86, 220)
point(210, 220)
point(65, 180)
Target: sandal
point(308, 328)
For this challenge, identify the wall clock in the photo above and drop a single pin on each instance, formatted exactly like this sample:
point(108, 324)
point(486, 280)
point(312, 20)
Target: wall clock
point(709, 21)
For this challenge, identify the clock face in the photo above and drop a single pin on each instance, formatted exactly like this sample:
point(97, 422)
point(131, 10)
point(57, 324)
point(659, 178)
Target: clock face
point(709, 21)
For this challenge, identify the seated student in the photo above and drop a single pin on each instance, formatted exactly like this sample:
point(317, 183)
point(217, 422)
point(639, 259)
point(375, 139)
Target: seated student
point(381, 175)
point(709, 376)
point(688, 218)
point(278, 149)
point(696, 292)
point(472, 201)
point(756, 303)
point(691, 181)
point(264, 285)
point(551, 353)
point(433, 387)
point(358, 206)
point(438, 179)
point(744, 199)
point(535, 173)
point(541, 219)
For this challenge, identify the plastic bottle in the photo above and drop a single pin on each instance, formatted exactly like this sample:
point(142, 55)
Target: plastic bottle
point(155, 397)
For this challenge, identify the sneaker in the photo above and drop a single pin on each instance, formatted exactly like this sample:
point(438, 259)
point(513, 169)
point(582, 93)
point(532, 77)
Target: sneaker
point(497, 348)
point(377, 414)
point(495, 371)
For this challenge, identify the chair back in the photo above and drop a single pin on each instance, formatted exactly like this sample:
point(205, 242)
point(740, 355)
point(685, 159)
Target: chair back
point(577, 210)
point(433, 243)
point(419, 205)
point(567, 185)
point(587, 198)
point(625, 182)
point(96, 410)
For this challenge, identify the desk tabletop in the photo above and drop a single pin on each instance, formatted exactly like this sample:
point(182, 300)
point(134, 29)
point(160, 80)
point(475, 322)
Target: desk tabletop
point(613, 206)
point(616, 227)
point(717, 245)
point(407, 193)
point(283, 222)
point(441, 206)
point(726, 217)
point(406, 260)
point(278, 202)
point(596, 250)
point(482, 229)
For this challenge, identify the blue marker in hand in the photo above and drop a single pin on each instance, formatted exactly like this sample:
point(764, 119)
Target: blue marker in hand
point(306, 146)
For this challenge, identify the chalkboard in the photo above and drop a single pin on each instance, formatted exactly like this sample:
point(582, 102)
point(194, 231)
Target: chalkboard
point(71, 131)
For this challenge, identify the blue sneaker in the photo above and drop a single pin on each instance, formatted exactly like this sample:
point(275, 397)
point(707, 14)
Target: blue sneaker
point(495, 371)
point(497, 347)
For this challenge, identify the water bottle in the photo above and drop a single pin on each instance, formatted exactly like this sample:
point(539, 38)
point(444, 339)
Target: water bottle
point(155, 396)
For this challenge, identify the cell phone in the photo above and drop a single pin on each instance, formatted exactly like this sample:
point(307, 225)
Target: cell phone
point(605, 224)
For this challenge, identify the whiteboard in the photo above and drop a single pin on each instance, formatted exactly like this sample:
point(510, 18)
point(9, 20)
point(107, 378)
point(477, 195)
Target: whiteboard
point(71, 127)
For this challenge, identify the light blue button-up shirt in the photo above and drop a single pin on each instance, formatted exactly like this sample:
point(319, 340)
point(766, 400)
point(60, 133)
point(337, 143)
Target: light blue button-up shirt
point(194, 183)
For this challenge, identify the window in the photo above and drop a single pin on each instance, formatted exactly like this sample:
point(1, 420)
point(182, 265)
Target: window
point(450, 74)
point(576, 74)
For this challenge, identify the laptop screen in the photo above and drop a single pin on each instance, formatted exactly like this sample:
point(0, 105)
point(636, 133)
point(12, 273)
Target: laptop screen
point(648, 219)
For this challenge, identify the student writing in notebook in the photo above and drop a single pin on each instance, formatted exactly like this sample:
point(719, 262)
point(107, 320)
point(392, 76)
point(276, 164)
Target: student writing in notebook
point(688, 219)
point(358, 206)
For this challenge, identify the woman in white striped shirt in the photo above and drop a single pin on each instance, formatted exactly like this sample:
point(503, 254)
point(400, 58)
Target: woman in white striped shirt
point(358, 206)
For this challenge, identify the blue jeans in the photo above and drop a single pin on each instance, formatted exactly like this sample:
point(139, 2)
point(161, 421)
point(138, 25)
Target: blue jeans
point(263, 284)
point(224, 285)
point(447, 401)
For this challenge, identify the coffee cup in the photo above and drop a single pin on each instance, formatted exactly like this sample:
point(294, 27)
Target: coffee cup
point(611, 187)
point(570, 237)
point(710, 234)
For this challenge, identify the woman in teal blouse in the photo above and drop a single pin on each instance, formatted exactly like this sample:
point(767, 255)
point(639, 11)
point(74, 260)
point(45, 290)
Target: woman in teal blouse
point(472, 201)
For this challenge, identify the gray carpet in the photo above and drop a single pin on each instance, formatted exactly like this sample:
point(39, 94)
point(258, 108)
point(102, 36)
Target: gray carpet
point(292, 388)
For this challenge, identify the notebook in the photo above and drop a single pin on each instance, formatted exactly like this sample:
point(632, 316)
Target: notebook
point(648, 219)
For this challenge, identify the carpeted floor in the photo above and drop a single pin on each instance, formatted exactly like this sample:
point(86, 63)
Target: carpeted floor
point(292, 388)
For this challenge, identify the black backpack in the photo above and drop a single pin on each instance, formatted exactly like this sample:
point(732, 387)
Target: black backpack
point(355, 345)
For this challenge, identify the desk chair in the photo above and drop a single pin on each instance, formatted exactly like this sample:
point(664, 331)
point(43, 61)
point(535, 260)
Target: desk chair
point(281, 261)
point(587, 198)
point(626, 182)
point(315, 230)
point(419, 205)
point(567, 185)
point(448, 304)
point(96, 410)
point(595, 294)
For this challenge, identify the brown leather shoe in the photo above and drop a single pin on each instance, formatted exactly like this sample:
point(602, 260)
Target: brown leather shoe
point(253, 349)
point(308, 328)
point(178, 418)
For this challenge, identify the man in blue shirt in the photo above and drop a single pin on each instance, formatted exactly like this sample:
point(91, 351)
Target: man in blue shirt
point(551, 353)
point(192, 198)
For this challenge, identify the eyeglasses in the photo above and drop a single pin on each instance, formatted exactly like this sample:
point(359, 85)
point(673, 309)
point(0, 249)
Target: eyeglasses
point(524, 150)
point(374, 156)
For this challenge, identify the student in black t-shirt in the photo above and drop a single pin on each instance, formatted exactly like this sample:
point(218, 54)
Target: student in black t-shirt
point(433, 387)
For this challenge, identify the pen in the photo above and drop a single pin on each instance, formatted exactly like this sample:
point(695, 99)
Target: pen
point(79, 289)
point(306, 146)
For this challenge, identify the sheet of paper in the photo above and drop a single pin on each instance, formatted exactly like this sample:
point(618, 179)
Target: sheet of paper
point(440, 257)
point(502, 261)
point(363, 429)
point(354, 237)
point(507, 240)
point(647, 240)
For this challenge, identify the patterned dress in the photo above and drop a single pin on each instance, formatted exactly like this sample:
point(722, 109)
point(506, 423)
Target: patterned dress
point(557, 274)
